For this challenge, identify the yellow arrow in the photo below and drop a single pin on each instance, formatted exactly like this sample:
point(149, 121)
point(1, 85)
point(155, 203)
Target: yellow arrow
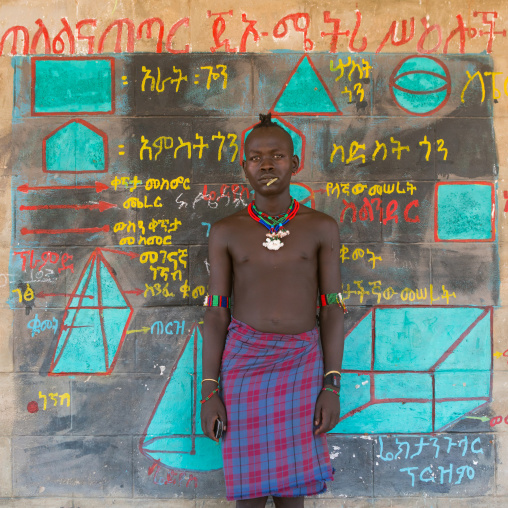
point(497, 354)
point(145, 329)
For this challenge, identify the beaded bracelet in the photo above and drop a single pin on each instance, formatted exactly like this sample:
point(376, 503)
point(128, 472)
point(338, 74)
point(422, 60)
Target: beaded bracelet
point(216, 301)
point(331, 298)
point(209, 396)
point(330, 390)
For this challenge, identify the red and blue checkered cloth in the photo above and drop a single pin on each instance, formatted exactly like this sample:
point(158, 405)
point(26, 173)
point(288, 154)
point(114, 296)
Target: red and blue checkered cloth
point(269, 384)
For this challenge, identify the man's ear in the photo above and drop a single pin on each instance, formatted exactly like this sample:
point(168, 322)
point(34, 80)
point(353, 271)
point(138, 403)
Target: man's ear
point(296, 164)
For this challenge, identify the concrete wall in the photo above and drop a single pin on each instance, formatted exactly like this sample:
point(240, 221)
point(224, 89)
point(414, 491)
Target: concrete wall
point(119, 154)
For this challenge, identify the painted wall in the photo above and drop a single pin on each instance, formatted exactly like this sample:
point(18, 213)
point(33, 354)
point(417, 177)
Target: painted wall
point(122, 133)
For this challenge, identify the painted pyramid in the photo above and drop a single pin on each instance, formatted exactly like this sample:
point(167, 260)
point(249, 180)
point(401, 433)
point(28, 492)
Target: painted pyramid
point(95, 322)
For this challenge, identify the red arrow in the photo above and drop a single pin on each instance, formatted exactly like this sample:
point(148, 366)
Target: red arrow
point(131, 254)
point(25, 231)
point(98, 186)
point(42, 294)
point(101, 206)
point(136, 291)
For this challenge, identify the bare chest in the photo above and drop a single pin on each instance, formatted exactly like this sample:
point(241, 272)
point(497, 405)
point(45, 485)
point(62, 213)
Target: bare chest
point(250, 248)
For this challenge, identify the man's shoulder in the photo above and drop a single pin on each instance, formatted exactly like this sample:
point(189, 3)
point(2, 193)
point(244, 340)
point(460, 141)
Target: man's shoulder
point(224, 225)
point(318, 219)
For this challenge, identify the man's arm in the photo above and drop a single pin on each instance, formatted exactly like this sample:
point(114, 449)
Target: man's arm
point(331, 319)
point(216, 323)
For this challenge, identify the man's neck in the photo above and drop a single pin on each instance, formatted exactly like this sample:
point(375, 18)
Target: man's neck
point(273, 205)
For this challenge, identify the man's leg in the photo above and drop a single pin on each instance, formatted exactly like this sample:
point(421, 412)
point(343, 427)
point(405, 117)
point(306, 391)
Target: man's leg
point(288, 502)
point(256, 502)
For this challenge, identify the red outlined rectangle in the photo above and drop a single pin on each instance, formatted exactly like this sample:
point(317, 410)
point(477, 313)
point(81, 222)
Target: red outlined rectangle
point(488, 313)
point(74, 113)
point(493, 212)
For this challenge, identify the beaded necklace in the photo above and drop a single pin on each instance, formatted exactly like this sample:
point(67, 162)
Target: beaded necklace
point(274, 223)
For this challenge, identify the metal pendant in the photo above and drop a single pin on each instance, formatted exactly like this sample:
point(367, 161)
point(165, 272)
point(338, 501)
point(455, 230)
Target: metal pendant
point(273, 240)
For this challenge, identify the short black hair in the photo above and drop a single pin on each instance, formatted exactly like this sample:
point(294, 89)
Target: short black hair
point(265, 122)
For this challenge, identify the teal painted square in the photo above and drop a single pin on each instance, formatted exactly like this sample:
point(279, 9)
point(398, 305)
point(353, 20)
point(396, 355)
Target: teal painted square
point(464, 212)
point(462, 384)
point(73, 86)
point(403, 386)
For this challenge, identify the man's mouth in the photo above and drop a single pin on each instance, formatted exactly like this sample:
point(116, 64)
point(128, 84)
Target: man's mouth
point(270, 181)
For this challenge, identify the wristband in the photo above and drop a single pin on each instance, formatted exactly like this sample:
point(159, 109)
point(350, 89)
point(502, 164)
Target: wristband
point(209, 396)
point(216, 301)
point(331, 298)
point(330, 390)
point(209, 379)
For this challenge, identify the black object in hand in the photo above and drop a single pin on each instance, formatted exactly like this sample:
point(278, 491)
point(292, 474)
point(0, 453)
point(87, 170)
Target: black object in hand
point(218, 428)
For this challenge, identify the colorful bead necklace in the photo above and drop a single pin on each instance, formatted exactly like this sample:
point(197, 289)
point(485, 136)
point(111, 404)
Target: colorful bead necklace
point(274, 223)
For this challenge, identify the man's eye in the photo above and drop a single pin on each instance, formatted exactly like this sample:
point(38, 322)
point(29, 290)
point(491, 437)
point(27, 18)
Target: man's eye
point(278, 156)
point(254, 158)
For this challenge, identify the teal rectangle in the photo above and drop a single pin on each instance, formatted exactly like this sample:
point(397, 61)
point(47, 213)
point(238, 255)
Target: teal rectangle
point(403, 386)
point(399, 417)
point(466, 383)
point(464, 212)
point(73, 86)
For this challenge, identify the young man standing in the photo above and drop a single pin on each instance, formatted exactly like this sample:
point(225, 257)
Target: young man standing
point(274, 402)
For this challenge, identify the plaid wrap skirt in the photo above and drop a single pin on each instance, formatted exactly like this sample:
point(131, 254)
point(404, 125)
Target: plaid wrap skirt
point(269, 385)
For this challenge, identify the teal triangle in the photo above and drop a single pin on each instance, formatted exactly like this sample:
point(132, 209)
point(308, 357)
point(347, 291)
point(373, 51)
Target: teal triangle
point(474, 352)
point(358, 345)
point(169, 436)
point(173, 414)
point(305, 93)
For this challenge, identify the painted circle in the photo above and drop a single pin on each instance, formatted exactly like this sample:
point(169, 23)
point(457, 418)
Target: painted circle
point(420, 85)
point(32, 407)
point(303, 193)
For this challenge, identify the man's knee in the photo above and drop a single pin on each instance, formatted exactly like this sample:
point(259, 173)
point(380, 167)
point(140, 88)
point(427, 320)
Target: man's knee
point(257, 502)
point(288, 502)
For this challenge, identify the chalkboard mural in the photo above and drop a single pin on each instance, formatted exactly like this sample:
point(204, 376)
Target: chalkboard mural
point(122, 164)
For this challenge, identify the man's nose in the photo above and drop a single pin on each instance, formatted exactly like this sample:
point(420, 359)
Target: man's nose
point(267, 162)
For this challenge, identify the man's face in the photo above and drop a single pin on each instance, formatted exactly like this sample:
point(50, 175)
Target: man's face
point(269, 155)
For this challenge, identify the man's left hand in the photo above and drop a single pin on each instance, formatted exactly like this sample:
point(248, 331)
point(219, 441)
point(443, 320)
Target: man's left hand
point(327, 412)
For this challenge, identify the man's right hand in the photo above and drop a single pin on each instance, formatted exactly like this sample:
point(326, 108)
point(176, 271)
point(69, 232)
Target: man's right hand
point(212, 409)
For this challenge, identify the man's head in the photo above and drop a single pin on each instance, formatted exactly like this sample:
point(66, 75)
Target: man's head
point(269, 157)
